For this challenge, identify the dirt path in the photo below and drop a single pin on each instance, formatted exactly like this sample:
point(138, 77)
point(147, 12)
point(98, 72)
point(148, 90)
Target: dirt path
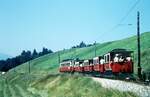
point(140, 90)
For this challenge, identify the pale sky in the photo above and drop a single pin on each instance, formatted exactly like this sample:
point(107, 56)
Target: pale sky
point(58, 24)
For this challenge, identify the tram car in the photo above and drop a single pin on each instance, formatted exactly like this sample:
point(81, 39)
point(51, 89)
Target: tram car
point(115, 62)
point(98, 64)
point(67, 65)
point(78, 67)
point(118, 61)
point(88, 66)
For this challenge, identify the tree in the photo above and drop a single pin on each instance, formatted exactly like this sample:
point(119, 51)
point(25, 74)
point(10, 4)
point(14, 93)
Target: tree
point(22, 57)
point(8, 64)
point(35, 54)
point(50, 51)
point(18, 60)
point(82, 44)
point(28, 55)
point(25, 56)
point(2, 64)
point(45, 51)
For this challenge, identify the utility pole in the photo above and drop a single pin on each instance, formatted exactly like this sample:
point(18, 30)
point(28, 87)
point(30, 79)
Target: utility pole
point(138, 45)
point(95, 49)
point(58, 57)
point(75, 54)
point(29, 67)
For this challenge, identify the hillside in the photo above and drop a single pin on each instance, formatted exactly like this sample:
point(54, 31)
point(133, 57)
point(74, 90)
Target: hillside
point(27, 85)
point(49, 63)
point(43, 81)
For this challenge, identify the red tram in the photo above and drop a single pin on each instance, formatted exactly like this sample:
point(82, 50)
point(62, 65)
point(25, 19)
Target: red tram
point(116, 61)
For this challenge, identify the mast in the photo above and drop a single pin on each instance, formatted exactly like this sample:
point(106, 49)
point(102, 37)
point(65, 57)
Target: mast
point(95, 49)
point(58, 57)
point(138, 45)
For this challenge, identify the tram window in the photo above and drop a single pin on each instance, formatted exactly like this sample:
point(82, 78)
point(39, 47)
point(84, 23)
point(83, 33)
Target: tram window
point(96, 61)
point(107, 58)
point(86, 63)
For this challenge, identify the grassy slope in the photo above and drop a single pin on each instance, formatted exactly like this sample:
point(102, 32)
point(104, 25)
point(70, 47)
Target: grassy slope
point(75, 86)
point(24, 85)
point(18, 79)
point(49, 63)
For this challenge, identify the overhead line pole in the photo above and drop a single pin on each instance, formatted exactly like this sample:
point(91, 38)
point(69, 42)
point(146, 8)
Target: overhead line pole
point(95, 49)
point(75, 55)
point(59, 57)
point(138, 45)
point(29, 67)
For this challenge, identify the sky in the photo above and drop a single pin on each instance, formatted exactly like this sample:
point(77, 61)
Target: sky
point(59, 24)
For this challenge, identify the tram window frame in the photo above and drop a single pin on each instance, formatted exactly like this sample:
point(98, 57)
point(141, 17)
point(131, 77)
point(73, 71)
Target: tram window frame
point(107, 58)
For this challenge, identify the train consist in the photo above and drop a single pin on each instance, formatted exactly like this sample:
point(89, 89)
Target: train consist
point(115, 62)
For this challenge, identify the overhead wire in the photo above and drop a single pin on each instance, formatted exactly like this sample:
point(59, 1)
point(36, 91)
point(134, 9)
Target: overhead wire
point(123, 19)
point(127, 14)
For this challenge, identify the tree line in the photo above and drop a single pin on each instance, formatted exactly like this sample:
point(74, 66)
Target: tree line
point(82, 45)
point(25, 56)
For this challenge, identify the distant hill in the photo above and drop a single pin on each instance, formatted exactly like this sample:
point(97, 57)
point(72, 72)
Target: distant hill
point(4, 56)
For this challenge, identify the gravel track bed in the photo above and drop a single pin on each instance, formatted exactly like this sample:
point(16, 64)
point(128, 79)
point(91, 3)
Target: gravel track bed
point(140, 90)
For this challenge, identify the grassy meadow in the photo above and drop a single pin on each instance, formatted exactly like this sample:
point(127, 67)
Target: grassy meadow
point(49, 63)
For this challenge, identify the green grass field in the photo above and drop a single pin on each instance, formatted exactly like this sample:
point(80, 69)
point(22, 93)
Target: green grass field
point(75, 86)
point(19, 83)
point(49, 63)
